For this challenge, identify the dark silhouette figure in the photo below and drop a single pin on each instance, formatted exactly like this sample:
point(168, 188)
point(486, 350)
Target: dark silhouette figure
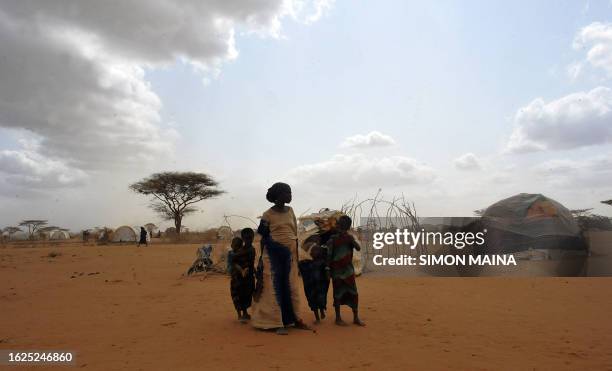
point(143, 237)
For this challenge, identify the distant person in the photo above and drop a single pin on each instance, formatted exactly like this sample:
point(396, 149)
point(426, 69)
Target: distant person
point(340, 262)
point(242, 272)
point(143, 237)
point(277, 292)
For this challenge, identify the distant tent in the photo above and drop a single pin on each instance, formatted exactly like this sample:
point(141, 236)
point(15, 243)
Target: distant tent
point(103, 234)
point(124, 234)
point(530, 221)
point(151, 228)
point(59, 235)
point(172, 230)
point(18, 236)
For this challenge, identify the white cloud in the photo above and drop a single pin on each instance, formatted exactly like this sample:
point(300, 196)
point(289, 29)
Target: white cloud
point(372, 139)
point(467, 161)
point(74, 73)
point(358, 170)
point(29, 169)
point(575, 120)
point(597, 39)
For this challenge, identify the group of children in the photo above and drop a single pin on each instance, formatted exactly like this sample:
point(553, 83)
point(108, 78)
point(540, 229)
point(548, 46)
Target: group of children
point(331, 255)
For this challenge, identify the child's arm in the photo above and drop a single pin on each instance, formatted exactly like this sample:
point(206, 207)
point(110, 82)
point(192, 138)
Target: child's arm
point(355, 243)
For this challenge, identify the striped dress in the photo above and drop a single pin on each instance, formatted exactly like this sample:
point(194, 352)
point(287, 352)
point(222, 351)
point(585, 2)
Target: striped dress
point(340, 261)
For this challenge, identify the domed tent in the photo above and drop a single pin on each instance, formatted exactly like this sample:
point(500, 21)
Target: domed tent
point(19, 236)
point(59, 235)
point(530, 221)
point(151, 228)
point(124, 234)
point(100, 233)
point(170, 231)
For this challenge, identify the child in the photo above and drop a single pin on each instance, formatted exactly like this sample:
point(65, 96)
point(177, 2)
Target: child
point(242, 272)
point(340, 263)
point(314, 275)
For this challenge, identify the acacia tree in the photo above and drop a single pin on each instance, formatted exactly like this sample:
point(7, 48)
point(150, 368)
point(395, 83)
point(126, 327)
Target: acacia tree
point(11, 230)
point(175, 193)
point(33, 226)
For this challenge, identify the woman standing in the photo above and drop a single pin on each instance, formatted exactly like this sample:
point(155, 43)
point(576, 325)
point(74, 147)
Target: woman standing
point(276, 296)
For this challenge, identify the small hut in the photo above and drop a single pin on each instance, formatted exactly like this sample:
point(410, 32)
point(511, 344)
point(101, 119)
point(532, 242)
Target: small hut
point(124, 234)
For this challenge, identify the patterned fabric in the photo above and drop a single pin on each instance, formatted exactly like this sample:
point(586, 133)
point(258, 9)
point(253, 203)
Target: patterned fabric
point(340, 261)
point(242, 286)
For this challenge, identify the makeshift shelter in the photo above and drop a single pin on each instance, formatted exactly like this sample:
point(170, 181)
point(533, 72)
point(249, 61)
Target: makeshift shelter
point(172, 231)
point(151, 229)
point(18, 236)
point(59, 235)
point(530, 221)
point(102, 234)
point(320, 223)
point(124, 234)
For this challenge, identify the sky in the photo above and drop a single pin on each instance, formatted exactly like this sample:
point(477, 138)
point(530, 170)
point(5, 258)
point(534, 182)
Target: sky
point(453, 104)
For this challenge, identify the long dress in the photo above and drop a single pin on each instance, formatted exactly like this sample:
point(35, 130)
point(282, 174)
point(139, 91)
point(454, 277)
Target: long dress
point(278, 302)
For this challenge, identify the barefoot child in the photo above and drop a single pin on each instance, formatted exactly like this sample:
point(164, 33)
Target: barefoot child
point(340, 262)
point(242, 282)
point(314, 274)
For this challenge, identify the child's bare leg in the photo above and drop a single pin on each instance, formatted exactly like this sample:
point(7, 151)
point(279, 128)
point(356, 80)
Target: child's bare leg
point(317, 318)
point(322, 313)
point(246, 315)
point(339, 320)
point(356, 319)
point(239, 313)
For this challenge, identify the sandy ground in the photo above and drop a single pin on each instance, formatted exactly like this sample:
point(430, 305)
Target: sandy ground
point(121, 307)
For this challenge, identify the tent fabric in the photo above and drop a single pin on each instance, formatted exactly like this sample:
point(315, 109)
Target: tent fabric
point(151, 228)
point(124, 234)
point(533, 221)
point(59, 235)
point(17, 236)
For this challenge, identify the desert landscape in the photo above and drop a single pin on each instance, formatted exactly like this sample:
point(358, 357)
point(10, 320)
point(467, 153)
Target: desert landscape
point(123, 307)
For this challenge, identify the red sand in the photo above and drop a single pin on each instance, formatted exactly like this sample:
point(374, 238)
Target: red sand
point(139, 313)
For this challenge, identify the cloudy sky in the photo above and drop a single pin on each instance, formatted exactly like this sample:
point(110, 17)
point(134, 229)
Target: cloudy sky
point(454, 104)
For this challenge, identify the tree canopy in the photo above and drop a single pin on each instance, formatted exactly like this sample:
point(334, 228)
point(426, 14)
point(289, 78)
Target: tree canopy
point(33, 225)
point(176, 193)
